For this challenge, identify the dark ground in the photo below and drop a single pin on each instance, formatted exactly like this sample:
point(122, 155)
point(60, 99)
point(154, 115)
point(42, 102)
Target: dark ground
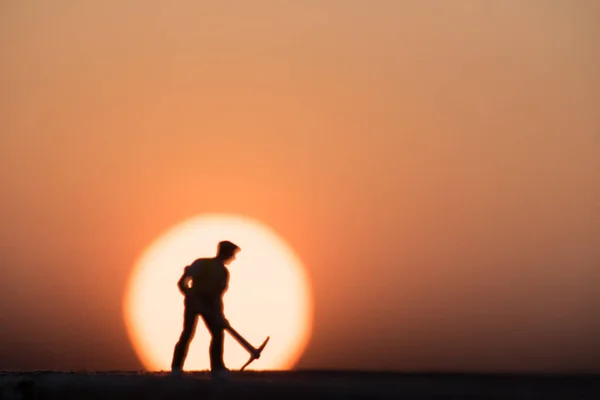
point(310, 385)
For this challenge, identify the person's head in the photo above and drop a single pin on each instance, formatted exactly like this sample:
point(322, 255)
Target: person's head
point(226, 251)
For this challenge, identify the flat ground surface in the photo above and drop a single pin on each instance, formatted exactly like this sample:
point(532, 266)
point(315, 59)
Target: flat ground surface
point(310, 385)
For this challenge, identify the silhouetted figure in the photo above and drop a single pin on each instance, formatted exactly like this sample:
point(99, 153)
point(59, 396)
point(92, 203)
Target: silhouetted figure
point(209, 280)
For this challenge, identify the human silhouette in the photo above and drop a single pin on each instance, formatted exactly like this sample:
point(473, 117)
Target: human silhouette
point(209, 278)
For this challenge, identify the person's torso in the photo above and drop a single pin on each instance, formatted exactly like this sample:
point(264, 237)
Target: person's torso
point(209, 278)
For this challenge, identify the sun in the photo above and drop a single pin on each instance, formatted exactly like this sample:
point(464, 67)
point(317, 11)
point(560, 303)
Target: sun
point(269, 295)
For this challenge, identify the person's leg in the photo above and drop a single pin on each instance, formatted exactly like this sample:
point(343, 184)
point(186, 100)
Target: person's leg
point(214, 324)
point(190, 319)
point(216, 348)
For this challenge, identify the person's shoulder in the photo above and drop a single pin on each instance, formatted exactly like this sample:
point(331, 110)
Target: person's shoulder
point(202, 260)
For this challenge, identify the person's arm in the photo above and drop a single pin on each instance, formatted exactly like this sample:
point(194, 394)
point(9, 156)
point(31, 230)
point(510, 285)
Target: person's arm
point(183, 283)
point(224, 282)
point(224, 285)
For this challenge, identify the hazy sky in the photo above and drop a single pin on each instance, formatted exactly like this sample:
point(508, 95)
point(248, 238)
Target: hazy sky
point(436, 164)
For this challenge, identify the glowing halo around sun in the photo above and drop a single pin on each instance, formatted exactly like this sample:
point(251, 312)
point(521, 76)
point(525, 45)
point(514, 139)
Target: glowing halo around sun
point(269, 295)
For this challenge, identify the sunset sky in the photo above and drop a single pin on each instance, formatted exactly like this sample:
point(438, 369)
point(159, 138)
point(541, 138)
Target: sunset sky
point(435, 165)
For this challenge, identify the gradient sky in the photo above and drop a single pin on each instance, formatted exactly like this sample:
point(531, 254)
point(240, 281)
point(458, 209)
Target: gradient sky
point(436, 165)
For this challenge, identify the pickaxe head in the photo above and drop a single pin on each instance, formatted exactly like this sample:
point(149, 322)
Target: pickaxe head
point(255, 353)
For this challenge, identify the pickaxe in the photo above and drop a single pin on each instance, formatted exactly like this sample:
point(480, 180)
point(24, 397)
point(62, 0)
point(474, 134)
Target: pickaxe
point(254, 352)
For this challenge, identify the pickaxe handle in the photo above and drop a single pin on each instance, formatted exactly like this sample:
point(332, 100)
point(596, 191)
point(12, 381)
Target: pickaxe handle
point(240, 339)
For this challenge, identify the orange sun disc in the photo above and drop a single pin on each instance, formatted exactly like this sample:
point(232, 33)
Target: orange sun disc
point(269, 295)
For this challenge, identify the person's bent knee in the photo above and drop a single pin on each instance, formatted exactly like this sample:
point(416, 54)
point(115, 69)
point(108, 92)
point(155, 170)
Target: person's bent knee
point(216, 331)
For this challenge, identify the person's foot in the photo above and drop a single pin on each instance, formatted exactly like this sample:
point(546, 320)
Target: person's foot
point(176, 372)
point(221, 373)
